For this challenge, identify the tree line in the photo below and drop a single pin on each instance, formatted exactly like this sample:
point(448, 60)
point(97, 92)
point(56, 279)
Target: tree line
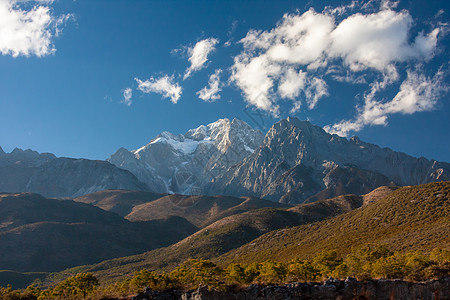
point(368, 262)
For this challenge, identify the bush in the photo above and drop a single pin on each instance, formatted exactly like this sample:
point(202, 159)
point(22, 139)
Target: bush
point(326, 262)
point(371, 261)
point(235, 273)
point(272, 272)
point(79, 285)
point(302, 270)
point(195, 272)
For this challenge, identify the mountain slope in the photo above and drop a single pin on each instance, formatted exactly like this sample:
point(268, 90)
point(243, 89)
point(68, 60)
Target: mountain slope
point(298, 160)
point(183, 164)
point(29, 171)
point(410, 218)
point(120, 202)
point(56, 234)
point(222, 236)
point(199, 210)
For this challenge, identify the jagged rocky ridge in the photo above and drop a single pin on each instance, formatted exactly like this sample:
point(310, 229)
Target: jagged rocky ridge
point(185, 163)
point(48, 175)
point(299, 162)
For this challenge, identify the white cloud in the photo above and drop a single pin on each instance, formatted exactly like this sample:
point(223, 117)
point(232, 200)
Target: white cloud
point(290, 60)
point(378, 40)
point(28, 32)
point(211, 92)
point(198, 55)
point(298, 39)
point(316, 90)
point(127, 94)
point(254, 76)
point(291, 84)
point(163, 85)
point(417, 93)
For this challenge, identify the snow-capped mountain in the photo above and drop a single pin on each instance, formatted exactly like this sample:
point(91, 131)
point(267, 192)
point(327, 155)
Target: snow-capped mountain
point(300, 162)
point(295, 162)
point(185, 163)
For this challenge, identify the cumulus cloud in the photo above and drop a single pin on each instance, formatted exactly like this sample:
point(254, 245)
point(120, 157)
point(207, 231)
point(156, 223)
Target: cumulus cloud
point(254, 75)
point(28, 32)
point(378, 40)
point(163, 85)
point(290, 61)
point(127, 94)
point(198, 55)
point(417, 93)
point(292, 83)
point(211, 92)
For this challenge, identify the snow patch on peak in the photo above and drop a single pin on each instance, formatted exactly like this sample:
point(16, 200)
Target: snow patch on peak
point(198, 134)
point(184, 145)
point(248, 149)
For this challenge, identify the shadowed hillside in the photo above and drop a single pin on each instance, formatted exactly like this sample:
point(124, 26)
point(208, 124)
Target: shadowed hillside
point(55, 234)
point(120, 202)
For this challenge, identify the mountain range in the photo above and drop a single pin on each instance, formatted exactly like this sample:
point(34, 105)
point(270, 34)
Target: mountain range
point(48, 175)
point(300, 162)
point(294, 162)
point(222, 191)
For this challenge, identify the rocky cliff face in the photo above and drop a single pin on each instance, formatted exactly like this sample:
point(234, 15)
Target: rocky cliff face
point(298, 160)
point(328, 290)
point(185, 163)
point(29, 171)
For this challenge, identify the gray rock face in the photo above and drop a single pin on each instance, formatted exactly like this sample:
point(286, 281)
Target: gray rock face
point(328, 290)
point(185, 163)
point(300, 160)
point(29, 171)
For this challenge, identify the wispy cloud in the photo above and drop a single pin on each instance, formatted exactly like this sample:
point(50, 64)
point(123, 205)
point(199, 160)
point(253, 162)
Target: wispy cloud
point(127, 94)
point(417, 93)
point(164, 85)
point(211, 92)
point(28, 32)
point(198, 55)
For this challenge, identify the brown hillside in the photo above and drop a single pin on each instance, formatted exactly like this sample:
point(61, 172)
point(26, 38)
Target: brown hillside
point(410, 218)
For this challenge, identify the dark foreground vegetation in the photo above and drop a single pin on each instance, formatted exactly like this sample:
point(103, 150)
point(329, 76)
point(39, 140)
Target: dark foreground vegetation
point(365, 263)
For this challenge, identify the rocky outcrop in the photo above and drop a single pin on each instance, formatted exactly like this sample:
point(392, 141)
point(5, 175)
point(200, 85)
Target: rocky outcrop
point(185, 163)
point(45, 174)
point(300, 160)
point(328, 290)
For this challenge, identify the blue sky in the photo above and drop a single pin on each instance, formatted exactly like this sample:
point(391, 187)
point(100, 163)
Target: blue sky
point(375, 69)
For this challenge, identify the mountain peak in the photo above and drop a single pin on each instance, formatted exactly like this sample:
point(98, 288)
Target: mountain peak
point(299, 156)
point(1, 151)
point(180, 163)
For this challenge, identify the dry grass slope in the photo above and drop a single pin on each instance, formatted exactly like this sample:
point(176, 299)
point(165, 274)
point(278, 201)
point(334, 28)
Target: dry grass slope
point(410, 218)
